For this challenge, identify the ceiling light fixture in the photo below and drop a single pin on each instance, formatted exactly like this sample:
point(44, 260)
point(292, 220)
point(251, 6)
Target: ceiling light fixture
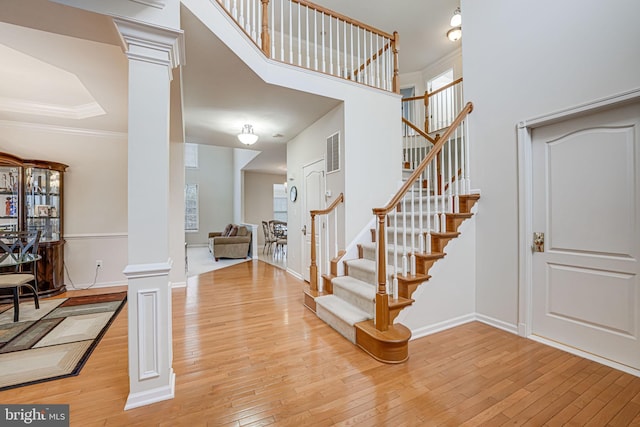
point(247, 136)
point(456, 19)
point(454, 34)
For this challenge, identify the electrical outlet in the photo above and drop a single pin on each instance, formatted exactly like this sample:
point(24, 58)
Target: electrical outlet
point(98, 263)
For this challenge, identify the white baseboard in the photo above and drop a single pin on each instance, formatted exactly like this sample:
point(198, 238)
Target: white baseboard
point(295, 274)
point(508, 327)
point(176, 285)
point(95, 286)
point(585, 355)
point(442, 326)
point(457, 321)
point(147, 397)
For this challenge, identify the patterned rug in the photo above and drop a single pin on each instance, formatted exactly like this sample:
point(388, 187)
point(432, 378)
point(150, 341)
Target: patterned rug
point(56, 340)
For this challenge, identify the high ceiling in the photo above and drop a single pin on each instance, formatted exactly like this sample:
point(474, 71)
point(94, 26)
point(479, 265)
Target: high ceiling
point(63, 66)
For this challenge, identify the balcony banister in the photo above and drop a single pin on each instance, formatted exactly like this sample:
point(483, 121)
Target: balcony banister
point(313, 268)
point(418, 171)
point(418, 130)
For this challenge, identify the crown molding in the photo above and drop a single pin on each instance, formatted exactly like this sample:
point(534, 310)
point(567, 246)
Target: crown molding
point(151, 43)
point(158, 4)
point(62, 129)
point(75, 112)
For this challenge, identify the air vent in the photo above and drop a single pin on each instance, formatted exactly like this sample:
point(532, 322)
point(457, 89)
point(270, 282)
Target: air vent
point(333, 153)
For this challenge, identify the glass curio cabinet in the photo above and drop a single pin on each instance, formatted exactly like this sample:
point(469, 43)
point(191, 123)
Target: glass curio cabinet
point(32, 199)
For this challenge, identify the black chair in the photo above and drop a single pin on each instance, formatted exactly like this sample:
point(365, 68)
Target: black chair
point(19, 250)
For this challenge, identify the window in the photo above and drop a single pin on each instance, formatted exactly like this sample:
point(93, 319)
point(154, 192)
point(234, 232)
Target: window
point(280, 202)
point(191, 216)
point(442, 105)
point(190, 155)
point(408, 110)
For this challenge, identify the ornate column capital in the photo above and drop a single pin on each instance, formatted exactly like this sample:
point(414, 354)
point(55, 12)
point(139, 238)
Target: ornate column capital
point(149, 43)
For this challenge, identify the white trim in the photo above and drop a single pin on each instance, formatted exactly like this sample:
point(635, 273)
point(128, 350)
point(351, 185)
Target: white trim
point(158, 4)
point(442, 326)
point(135, 400)
point(295, 274)
point(525, 196)
point(499, 324)
point(582, 109)
point(140, 271)
point(151, 43)
point(63, 129)
point(96, 236)
point(177, 285)
point(585, 355)
point(74, 112)
point(148, 334)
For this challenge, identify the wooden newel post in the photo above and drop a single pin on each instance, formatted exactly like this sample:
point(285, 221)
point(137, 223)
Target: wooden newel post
point(426, 112)
point(313, 268)
point(382, 298)
point(396, 65)
point(266, 39)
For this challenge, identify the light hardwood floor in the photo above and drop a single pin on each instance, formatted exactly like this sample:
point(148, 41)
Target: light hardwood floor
point(246, 353)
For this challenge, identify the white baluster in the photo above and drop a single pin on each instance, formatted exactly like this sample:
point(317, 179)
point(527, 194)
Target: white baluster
point(281, 31)
point(451, 175)
point(327, 258)
point(458, 175)
point(234, 10)
point(290, 33)
point(412, 259)
point(324, 65)
point(436, 217)
point(315, 40)
point(339, 72)
point(428, 236)
point(351, 75)
point(330, 46)
point(443, 206)
point(273, 23)
point(307, 33)
point(299, 37)
point(344, 49)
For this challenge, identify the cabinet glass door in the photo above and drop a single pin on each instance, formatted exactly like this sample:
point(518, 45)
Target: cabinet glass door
point(9, 192)
point(43, 203)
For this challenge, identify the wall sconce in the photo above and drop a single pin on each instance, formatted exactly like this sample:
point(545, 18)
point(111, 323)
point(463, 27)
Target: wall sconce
point(246, 136)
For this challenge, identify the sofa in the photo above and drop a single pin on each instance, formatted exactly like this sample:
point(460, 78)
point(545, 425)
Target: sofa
point(233, 242)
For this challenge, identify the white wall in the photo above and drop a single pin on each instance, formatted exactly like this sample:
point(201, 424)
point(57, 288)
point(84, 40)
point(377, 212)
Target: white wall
point(214, 177)
point(522, 60)
point(258, 199)
point(95, 194)
point(308, 147)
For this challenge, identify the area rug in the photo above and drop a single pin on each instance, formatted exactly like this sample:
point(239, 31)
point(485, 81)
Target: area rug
point(55, 341)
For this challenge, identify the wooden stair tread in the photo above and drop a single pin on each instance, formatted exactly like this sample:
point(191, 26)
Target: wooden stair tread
point(447, 234)
point(432, 255)
point(400, 302)
point(418, 278)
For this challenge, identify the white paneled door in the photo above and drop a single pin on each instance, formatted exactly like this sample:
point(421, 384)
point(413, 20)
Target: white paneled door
point(314, 185)
point(586, 183)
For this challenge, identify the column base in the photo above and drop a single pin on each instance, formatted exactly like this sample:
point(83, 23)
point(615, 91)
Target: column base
point(147, 397)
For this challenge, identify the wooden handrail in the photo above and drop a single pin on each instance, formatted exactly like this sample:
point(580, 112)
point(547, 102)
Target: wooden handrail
point(329, 209)
point(313, 268)
point(420, 131)
point(445, 87)
point(429, 94)
point(343, 18)
point(373, 58)
point(422, 166)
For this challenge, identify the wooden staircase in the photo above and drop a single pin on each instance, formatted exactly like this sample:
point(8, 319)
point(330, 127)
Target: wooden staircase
point(348, 303)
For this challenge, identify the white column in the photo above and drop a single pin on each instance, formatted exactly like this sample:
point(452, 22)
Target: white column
point(152, 53)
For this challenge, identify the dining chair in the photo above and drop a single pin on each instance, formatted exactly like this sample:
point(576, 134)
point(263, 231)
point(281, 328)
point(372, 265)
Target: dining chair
point(269, 238)
point(19, 250)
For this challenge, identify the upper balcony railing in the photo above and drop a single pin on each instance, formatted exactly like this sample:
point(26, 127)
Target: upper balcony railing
point(307, 35)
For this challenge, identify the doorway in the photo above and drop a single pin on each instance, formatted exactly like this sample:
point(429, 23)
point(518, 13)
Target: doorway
point(581, 287)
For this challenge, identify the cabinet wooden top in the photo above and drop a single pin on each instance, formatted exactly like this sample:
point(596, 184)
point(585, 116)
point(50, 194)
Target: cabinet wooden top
point(10, 159)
